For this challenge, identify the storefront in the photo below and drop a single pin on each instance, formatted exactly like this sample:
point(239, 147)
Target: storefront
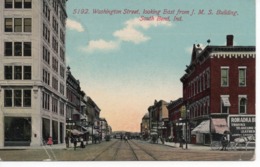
point(17, 131)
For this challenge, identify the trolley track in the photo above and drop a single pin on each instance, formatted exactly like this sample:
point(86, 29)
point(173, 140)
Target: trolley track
point(142, 149)
point(107, 149)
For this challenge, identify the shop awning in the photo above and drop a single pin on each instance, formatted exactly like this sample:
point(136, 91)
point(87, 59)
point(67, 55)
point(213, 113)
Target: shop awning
point(219, 125)
point(90, 130)
point(203, 127)
point(225, 101)
point(75, 132)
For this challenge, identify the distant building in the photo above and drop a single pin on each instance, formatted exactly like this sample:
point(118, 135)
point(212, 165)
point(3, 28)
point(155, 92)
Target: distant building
point(145, 126)
point(32, 72)
point(218, 88)
point(175, 109)
point(158, 112)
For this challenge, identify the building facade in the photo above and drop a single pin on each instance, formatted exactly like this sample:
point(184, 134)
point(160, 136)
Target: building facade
point(175, 109)
point(145, 126)
point(158, 112)
point(32, 74)
point(218, 88)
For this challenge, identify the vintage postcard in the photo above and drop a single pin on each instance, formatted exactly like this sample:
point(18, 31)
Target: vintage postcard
point(128, 80)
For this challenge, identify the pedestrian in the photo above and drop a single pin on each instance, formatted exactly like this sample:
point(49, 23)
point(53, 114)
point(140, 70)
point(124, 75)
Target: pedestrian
point(181, 141)
point(224, 142)
point(82, 143)
point(50, 142)
point(67, 141)
point(126, 138)
point(75, 143)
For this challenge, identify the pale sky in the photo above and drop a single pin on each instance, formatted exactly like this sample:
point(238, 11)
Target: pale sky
point(124, 64)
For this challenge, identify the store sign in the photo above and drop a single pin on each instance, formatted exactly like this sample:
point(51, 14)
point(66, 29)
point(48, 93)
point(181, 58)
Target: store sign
point(241, 126)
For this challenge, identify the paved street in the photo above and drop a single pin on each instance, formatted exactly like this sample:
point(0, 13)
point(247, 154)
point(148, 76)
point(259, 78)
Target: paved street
point(117, 150)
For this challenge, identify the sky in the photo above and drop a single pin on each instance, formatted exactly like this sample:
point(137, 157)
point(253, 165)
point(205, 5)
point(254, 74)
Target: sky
point(124, 62)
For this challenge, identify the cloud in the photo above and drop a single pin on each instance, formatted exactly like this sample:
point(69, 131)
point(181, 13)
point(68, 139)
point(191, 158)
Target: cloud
point(102, 45)
point(74, 25)
point(131, 32)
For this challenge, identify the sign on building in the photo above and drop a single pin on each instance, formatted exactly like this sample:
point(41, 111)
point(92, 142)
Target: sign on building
point(241, 126)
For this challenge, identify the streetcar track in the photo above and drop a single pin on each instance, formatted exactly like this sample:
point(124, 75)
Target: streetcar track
point(114, 157)
point(136, 157)
point(143, 150)
point(106, 149)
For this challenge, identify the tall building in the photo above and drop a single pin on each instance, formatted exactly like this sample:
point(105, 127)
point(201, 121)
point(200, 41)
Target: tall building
point(219, 91)
point(32, 72)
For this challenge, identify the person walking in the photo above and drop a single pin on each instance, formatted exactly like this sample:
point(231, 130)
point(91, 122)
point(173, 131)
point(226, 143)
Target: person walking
point(224, 142)
point(67, 141)
point(126, 139)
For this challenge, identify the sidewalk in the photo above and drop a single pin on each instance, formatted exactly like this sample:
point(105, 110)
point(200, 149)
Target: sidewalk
point(190, 146)
point(55, 146)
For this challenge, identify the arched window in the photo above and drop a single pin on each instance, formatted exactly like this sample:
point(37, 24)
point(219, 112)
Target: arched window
point(242, 105)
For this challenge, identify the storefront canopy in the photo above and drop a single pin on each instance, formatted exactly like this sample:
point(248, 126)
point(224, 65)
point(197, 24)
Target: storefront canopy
point(203, 127)
point(219, 125)
point(90, 130)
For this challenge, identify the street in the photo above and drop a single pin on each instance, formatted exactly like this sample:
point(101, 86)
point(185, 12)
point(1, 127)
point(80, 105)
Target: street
point(120, 150)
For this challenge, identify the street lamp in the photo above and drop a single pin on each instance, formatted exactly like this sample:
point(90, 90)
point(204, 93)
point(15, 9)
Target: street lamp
point(186, 126)
point(70, 123)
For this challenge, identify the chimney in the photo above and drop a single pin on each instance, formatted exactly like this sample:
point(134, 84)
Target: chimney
point(230, 40)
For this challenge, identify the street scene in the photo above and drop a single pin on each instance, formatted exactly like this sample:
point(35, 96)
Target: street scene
point(121, 150)
point(123, 80)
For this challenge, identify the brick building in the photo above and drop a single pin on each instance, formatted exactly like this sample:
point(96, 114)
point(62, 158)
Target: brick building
point(219, 91)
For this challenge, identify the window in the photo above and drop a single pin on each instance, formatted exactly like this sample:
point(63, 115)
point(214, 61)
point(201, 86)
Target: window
point(45, 101)
point(8, 3)
point(242, 104)
point(54, 105)
point(17, 25)
point(62, 108)
point(17, 98)
point(18, 48)
point(17, 72)
point(27, 49)
point(225, 104)
point(8, 48)
point(62, 71)
point(27, 4)
point(27, 25)
point(224, 77)
point(8, 25)
point(55, 83)
point(27, 73)
point(61, 88)
point(27, 98)
point(46, 77)
point(46, 55)
point(8, 72)
point(242, 77)
point(17, 3)
point(8, 98)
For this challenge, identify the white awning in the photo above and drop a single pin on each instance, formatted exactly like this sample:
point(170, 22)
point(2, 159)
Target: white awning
point(225, 101)
point(90, 130)
point(219, 125)
point(203, 127)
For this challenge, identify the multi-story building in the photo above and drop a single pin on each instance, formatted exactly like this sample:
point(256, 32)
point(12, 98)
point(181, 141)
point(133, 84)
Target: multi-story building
point(145, 126)
point(158, 113)
point(219, 91)
point(32, 71)
point(176, 115)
